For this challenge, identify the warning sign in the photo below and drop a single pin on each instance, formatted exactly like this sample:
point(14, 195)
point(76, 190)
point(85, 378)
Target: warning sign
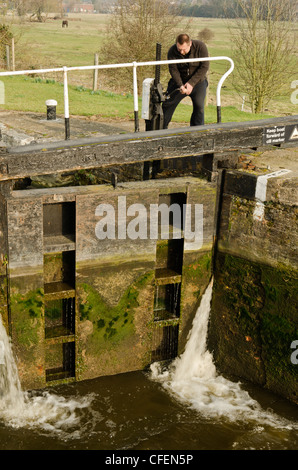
point(274, 135)
point(294, 134)
point(278, 134)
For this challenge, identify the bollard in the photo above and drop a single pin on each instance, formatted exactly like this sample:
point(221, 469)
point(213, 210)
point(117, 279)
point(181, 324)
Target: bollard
point(51, 109)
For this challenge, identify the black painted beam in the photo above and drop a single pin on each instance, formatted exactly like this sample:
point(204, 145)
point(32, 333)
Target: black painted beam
point(57, 157)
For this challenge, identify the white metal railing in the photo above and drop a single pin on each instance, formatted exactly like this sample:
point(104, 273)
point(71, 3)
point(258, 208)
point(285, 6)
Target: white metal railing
point(134, 66)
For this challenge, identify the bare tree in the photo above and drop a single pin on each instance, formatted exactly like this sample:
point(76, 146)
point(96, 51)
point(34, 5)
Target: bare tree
point(38, 9)
point(133, 31)
point(6, 36)
point(20, 7)
point(264, 48)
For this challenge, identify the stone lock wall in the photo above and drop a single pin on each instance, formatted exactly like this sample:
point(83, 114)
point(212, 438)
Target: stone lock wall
point(81, 307)
point(254, 309)
point(3, 263)
point(25, 284)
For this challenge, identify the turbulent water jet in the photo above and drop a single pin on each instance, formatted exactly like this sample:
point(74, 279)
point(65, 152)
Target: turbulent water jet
point(192, 378)
point(45, 411)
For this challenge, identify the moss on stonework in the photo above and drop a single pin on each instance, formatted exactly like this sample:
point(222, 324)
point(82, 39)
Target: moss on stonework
point(255, 320)
point(27, 314)
point(279, 320)
point(111, 325)
point(243, 293)
point(194, 273)
point(3, 300)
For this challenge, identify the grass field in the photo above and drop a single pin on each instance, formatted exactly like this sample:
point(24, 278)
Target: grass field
point(47, 45)
point(30, 94)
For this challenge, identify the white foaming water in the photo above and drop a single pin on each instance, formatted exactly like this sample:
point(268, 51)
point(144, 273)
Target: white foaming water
point(44, 411)
point(192, 379)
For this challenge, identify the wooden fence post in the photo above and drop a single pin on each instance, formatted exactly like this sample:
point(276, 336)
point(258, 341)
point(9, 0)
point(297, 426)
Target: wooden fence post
point(7, 57)
point(13, 55)
point(95, 75)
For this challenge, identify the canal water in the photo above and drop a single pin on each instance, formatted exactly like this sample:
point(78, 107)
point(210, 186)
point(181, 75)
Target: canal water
point(185, 405)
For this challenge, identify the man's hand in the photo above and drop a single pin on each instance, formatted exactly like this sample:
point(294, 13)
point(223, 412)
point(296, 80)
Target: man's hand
point(188, 88)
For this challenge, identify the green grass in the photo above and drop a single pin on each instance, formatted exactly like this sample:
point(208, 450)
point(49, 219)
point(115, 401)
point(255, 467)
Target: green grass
point(54, 45)
point(47, 45)
point(228, 114)
point(29, 94)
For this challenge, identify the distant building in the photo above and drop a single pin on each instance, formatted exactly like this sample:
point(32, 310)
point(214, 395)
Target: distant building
point(83, 7)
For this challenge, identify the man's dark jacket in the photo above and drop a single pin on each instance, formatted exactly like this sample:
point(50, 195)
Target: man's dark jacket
point(191, 72)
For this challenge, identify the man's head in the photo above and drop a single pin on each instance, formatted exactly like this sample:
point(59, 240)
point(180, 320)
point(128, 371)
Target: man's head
point(183, 43)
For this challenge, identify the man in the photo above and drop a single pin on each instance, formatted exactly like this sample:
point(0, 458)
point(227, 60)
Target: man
point(187, 79)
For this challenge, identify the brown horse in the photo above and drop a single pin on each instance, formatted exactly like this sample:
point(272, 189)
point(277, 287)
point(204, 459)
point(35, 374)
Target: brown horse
point(64, 23)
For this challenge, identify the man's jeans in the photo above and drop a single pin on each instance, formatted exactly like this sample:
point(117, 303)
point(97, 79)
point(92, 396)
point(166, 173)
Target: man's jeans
point(197, 96)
